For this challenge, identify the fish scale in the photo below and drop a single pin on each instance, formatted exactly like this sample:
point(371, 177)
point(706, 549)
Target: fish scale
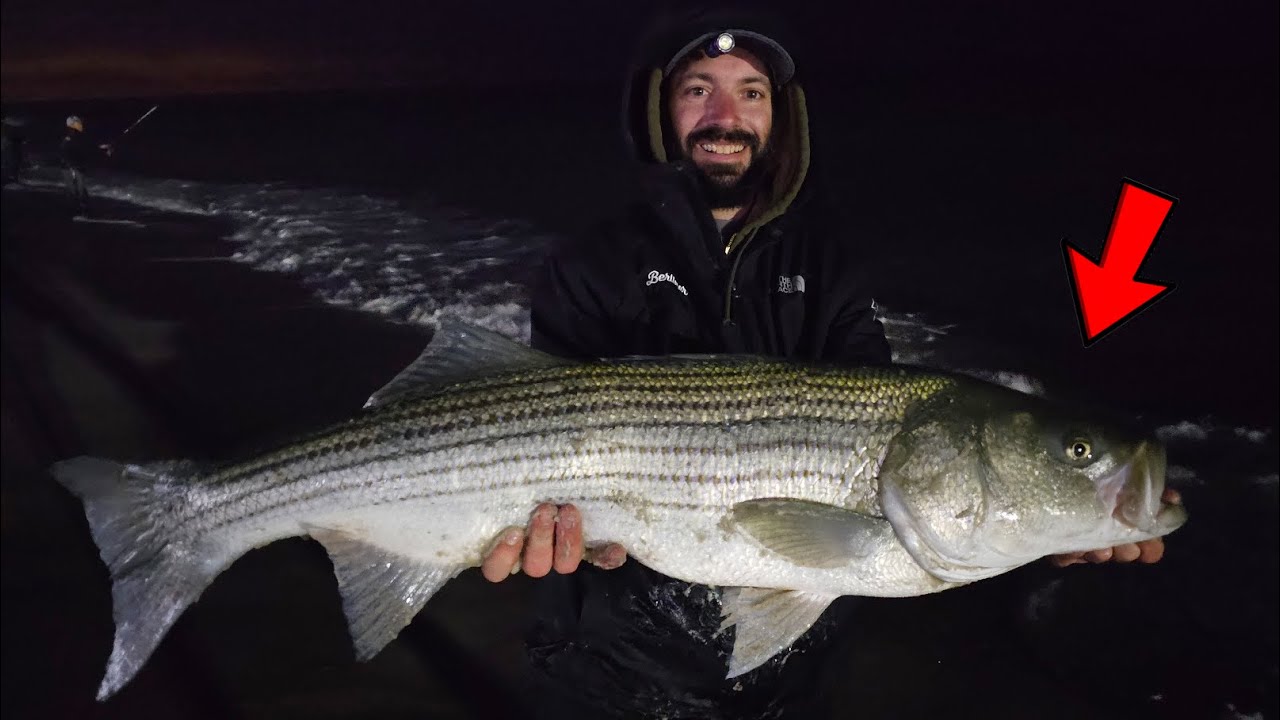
point(761, 475)
point(607, 400)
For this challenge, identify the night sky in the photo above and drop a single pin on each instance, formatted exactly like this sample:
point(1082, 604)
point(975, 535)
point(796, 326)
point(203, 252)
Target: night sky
point(76, 48)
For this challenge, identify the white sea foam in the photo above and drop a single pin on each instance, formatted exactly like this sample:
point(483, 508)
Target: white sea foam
point(361, 251)
point(912, 337)
point(1185, 430)
point(1021, 382)
point(1253, 435)
point(1236, 714)
point(414, 262)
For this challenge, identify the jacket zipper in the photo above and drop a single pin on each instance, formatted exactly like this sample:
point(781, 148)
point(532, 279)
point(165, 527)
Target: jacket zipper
point(733, 272)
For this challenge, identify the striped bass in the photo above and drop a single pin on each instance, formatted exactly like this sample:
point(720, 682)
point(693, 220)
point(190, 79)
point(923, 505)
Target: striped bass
point(787, 484)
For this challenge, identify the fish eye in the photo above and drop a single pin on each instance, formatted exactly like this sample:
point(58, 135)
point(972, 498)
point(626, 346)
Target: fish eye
point(1079, 450)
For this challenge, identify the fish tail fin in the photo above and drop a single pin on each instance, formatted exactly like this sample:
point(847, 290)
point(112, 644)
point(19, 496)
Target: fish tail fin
point(155, 572)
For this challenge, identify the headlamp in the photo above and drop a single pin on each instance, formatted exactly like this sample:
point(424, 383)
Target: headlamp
point(720, 45)
point(717, 43)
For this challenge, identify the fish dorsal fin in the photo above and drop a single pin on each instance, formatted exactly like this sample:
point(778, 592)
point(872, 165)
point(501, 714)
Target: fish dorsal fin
point(381, 591)
point(459, 352)
point(696, 358)
point(768, 621)
point(812, 534)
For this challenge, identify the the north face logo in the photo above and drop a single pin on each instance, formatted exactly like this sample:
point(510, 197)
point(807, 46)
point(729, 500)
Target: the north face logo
point(789, 285)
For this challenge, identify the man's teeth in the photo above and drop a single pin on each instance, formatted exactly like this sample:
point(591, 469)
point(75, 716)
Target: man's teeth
point(723, 149)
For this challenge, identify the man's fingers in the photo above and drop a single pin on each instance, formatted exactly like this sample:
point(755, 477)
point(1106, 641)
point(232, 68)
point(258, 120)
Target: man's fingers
point(607, 556)
point(1067, 559)
point(1126, 553)
point(1147, 551)
point(568, 540)
point(1098, 556)
point(1171, 496)
point(504, 556)
point(541, 540)
point(553, 540)
point(1151, 550)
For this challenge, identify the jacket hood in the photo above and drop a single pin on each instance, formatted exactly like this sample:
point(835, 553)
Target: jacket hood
point(649, 131)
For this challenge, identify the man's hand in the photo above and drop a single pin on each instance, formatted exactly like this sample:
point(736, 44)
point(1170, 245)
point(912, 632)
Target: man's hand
point(1147, 551)
point(552, 541)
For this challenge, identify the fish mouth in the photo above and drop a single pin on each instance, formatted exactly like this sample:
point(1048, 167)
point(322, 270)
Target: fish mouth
point(1135, 493)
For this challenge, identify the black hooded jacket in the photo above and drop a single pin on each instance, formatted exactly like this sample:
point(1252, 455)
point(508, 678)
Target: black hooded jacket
point(76, 150)
point(656, 280)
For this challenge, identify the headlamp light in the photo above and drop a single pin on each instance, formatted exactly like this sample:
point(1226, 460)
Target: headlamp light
point(720, 45)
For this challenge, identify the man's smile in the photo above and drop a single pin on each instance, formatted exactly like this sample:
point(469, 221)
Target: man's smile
point(722, 148)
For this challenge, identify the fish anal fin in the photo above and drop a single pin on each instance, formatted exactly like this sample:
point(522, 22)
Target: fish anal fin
point(811, 534)
point(767, 621)
point(381, 590)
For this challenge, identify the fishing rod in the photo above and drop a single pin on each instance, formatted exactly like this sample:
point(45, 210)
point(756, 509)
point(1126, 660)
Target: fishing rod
point(145, 115)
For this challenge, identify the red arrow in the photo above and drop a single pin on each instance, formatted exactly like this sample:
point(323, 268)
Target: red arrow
point(1108, 293)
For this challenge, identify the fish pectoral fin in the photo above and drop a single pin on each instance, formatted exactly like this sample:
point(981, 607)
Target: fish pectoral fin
point(768, 621)
point(381, 590)
point(811, 534)
point(459, 352)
